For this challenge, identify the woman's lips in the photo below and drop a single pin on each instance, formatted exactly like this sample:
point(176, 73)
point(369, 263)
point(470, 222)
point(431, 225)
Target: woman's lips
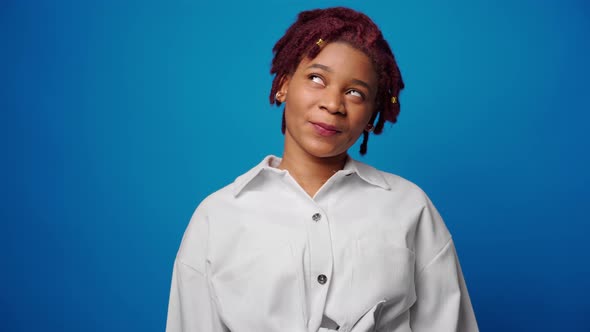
point(324, 129)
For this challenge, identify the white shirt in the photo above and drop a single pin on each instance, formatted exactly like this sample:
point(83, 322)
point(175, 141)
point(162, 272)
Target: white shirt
point(369, 252)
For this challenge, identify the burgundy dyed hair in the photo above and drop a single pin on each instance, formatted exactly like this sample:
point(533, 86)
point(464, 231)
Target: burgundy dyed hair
point(343, 25)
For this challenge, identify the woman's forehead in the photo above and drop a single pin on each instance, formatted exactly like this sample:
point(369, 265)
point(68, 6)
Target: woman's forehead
point(341, 58)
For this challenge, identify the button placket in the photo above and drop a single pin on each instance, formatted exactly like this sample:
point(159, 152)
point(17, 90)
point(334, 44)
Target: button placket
point(320, 242)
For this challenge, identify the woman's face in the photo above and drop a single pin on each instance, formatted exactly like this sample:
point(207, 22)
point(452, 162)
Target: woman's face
point(329, 101)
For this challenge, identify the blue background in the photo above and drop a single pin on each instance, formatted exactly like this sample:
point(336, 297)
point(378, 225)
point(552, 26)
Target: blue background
point(118, 118)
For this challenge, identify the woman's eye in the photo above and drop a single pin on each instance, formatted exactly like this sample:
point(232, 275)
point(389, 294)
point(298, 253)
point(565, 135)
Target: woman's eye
point(316, 79)
point(355, 93)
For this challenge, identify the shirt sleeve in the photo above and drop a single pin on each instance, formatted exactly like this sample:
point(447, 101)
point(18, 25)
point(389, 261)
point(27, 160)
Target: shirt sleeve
point(191, 307)
point(442, 301)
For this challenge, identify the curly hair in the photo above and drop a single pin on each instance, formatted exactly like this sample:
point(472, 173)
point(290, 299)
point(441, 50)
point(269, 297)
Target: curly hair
point(343, 25)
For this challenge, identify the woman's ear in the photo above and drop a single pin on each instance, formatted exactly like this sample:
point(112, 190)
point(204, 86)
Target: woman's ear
point(281, 95)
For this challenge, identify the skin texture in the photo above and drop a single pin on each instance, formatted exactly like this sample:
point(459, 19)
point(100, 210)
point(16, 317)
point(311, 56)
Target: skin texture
point(329, 101)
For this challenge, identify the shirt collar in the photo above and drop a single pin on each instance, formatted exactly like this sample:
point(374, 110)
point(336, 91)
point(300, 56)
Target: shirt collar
point(368, 173)
point(270, 163)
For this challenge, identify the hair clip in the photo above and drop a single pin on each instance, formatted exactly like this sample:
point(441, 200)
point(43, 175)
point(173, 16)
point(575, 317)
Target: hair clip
point(320, 42)
point(393, 100)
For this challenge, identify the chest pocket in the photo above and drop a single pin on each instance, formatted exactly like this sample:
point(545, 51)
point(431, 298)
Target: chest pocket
point(258, 284)
point(382, 272)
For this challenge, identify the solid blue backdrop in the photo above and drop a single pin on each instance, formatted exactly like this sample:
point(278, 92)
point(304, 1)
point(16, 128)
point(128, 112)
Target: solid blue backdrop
point(118, 118)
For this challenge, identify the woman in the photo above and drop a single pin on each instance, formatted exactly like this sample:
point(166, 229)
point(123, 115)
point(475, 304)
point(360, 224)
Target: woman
point(316, 241)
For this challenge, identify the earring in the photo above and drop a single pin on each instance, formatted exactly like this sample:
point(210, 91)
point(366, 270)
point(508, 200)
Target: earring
point(279, 96)
point(370, 128)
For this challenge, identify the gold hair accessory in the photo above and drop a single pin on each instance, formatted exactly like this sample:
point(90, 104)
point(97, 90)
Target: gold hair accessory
point(320, 42)
point(393, 100)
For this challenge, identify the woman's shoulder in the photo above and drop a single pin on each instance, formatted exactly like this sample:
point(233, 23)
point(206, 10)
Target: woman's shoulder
point(216, 199)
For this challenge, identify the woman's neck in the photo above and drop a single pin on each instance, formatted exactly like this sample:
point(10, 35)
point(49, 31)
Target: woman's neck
point(311, 172)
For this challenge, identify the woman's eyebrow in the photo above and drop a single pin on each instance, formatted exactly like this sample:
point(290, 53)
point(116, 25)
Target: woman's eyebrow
point(363, 83)
point(328, 69)
point(317, 65)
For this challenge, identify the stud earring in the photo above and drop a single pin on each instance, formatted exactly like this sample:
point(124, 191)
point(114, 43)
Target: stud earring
point(370, 128)
point(279, 96)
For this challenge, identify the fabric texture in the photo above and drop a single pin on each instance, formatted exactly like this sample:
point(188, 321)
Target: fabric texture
point(369, 252)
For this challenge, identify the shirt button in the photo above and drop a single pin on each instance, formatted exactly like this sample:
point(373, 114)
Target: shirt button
point(322, 279)
point(316, 217)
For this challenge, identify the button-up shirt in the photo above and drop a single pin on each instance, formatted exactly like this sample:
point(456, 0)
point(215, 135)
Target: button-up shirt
point(369, 252)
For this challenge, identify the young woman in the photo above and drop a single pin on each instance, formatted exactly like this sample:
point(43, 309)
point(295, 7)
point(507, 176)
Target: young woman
point(317, 241)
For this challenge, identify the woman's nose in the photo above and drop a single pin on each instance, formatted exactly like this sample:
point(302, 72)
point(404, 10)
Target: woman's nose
point(332, 101)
